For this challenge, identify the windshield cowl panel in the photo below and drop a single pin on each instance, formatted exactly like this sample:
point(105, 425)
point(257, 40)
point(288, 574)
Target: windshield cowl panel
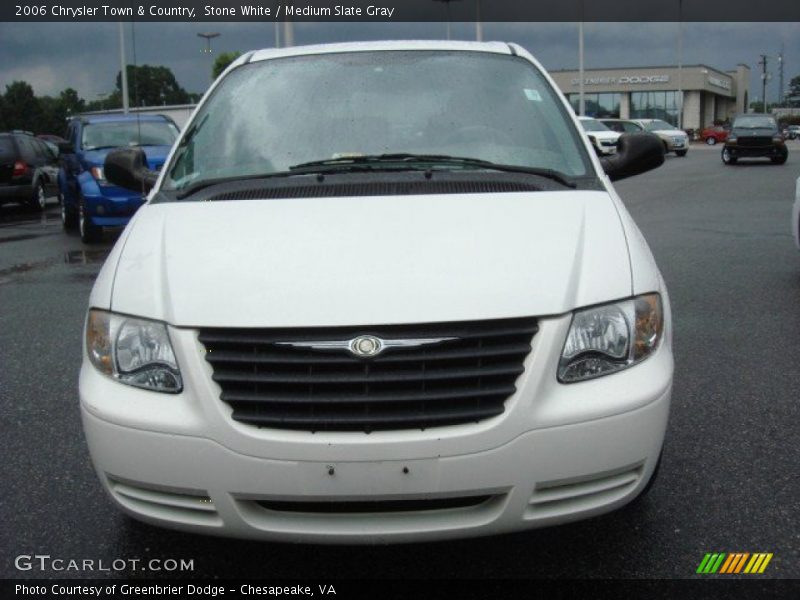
point(268, 117)
point(381, 183)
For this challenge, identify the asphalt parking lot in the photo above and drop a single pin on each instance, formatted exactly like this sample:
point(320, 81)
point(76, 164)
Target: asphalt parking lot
point(728, 482)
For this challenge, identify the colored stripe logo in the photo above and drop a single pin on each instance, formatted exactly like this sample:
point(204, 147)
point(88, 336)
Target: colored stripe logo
point(733, 563)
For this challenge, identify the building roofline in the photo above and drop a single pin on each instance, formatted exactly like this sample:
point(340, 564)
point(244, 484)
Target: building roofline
point(697, 66)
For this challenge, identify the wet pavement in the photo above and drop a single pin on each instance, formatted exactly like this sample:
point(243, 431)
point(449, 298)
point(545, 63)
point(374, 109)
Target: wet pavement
point(35, 241)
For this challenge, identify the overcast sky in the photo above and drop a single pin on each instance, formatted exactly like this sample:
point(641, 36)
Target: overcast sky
point(85, 56)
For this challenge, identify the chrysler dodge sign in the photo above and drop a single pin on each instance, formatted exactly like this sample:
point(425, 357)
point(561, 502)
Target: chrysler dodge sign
point(623, 80)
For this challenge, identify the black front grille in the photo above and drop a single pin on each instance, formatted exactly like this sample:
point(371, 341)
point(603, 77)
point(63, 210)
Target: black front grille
point(748, 142)
point(464, 380)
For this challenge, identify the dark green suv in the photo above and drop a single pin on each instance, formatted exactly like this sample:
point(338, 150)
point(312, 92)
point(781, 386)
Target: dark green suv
point(755, 135)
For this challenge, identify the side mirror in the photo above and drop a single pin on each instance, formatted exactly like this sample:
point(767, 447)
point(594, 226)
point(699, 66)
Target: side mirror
point(636, 153)
point(66, 148)
point(127, 167)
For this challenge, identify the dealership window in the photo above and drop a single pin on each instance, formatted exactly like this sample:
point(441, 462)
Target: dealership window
point(599, 106)
point(655, 105)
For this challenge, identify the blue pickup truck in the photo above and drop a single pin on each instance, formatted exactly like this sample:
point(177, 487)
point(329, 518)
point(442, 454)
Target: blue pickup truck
point(87, 200)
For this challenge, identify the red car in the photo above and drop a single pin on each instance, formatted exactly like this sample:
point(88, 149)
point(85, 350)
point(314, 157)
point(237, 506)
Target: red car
point(712, 135)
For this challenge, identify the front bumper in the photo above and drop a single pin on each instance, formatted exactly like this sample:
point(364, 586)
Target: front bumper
point(771, 151)
point(109, 206)
point(677, 145)
point(559, 453)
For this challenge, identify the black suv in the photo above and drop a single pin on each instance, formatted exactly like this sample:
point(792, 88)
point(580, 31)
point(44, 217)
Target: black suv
point(755, 135)
point(28, 170)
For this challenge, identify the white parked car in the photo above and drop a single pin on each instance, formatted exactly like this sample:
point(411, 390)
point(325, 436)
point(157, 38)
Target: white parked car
point(379, 292)
point(674, 139)
point(603, 139)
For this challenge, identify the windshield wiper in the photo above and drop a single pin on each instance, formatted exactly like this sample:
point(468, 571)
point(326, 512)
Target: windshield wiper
point(382, 162)
point(424, 161)
point(193, 130)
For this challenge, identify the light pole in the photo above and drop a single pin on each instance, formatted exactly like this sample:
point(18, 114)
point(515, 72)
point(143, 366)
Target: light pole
point(277, 27)
point(478, 24)
point(123, 71)
point(208, 36)
point(581, 78)
point(680, 64)
point(288, 33)
point(763, 63)
point(447, 5)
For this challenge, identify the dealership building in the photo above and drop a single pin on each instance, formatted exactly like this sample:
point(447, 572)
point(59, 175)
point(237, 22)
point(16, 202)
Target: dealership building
point(709, 94)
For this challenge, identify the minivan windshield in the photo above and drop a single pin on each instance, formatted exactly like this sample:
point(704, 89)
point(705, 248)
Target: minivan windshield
point(269, 116)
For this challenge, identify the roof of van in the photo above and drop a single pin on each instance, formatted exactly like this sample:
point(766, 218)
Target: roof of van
point(492, 47)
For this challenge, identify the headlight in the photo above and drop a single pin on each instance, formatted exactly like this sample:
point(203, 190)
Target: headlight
point(777, 139)
point(99, 175)
point(605, 339)
point(133, 351)
point(731, 139)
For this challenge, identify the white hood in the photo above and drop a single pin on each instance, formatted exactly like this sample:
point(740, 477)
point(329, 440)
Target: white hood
point(371, 260)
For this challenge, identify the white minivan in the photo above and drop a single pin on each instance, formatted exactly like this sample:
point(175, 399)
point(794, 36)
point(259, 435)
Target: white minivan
point(380, 292)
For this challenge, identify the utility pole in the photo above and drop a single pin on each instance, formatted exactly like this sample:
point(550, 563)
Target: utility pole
point(763, 63)
point(780, 77)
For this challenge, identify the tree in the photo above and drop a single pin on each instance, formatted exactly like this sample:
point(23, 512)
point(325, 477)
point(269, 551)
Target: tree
point(56, 111)
point(149, 86)
point(71, 102)
point(21, 108)
point(53, 117)
point(3, 125)
point(793, 93)
point(222, 61)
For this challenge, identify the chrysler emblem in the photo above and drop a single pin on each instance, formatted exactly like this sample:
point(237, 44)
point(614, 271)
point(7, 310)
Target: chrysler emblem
point(366, 346)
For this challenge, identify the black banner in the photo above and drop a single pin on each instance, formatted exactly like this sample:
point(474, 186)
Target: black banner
point(410, 589)
point(403, 10)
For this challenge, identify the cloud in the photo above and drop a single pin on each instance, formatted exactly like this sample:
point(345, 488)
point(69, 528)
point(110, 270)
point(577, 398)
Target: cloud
point(52, 56)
